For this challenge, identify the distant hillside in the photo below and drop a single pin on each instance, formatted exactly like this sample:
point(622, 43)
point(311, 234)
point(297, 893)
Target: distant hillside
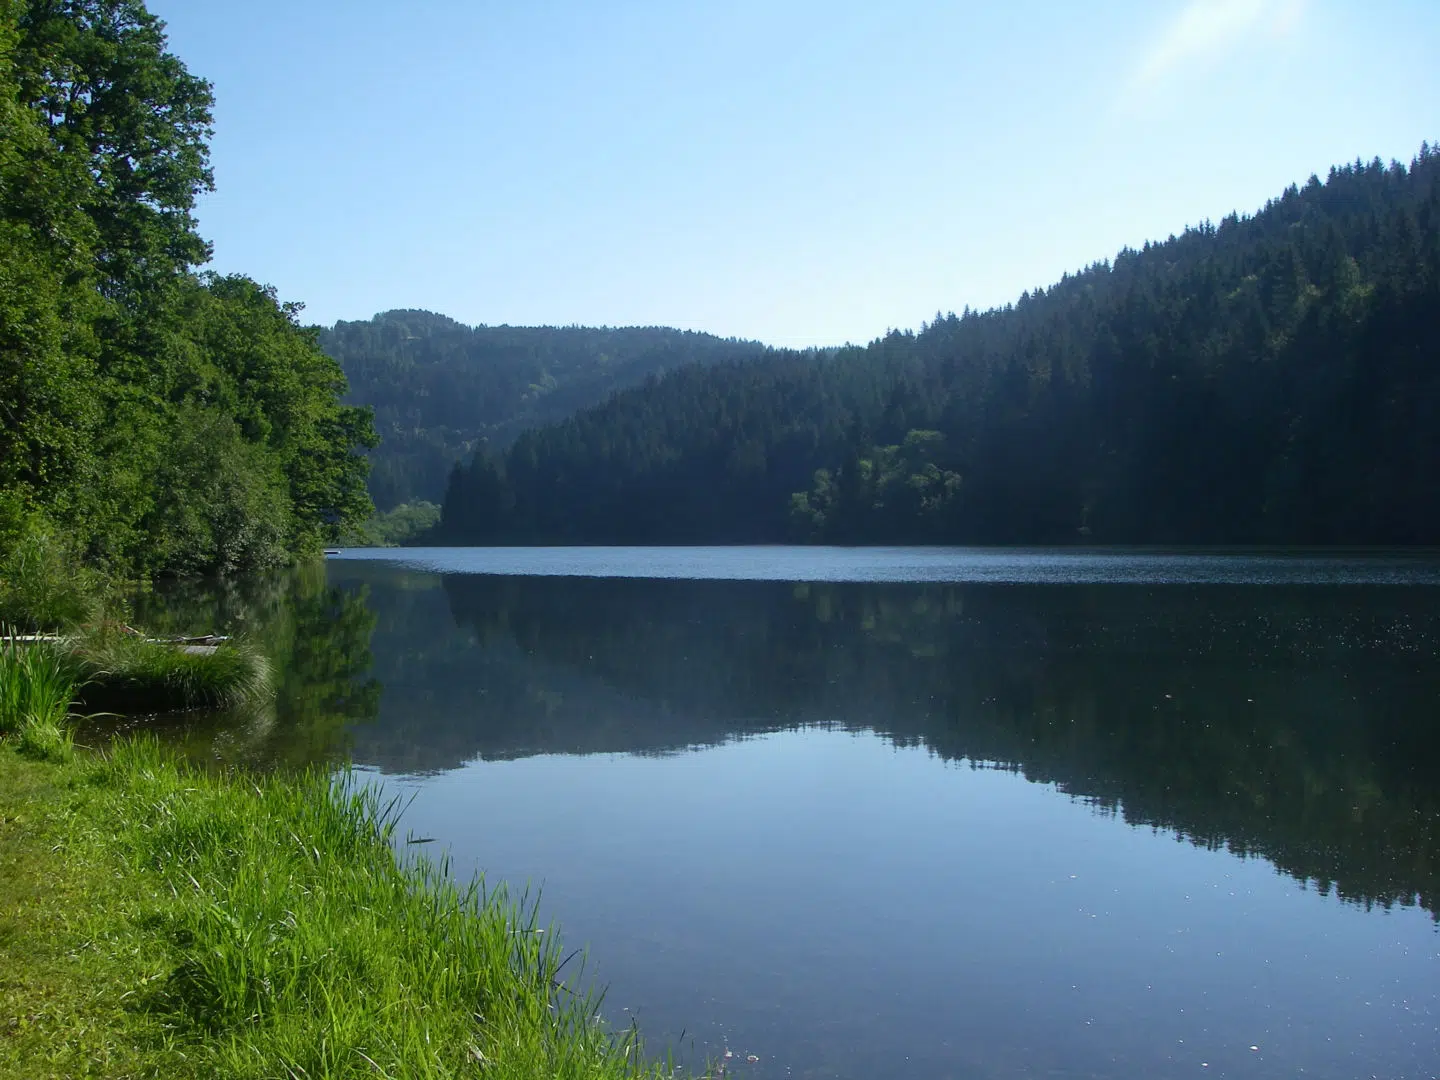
point(440, 388)
point(1270, 379)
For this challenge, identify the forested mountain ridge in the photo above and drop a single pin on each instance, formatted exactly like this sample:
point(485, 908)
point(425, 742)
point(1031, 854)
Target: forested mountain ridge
point(152, 418)
point(440, 388)
point(1274, 378)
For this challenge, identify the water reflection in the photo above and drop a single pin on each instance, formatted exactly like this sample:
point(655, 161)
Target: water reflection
point(1292, 723)
point(886, 897)
point(317, 638)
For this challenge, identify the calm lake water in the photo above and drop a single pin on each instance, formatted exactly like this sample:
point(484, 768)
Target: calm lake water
point(913, 812)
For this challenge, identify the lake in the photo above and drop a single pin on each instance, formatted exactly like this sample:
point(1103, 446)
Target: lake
point(912, 812)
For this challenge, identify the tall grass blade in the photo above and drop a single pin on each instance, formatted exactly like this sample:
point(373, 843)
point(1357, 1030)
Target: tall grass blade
point(37, 687)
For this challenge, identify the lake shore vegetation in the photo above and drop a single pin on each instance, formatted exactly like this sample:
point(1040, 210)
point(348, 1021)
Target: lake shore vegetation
point(125, 672)
point(156, 418)
point(162, 918)
point(158, 919)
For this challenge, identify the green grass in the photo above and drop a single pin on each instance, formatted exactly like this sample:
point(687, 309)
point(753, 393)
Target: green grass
point(105, 670)
point(67, 957)
point(158, 920)
point(46, 740)
point(125, 673)
point(37, 685)
point(162, 920)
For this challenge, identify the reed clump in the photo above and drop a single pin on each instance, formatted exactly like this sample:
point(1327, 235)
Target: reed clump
point(109, 670)
point(37, 685)
point(124, 672)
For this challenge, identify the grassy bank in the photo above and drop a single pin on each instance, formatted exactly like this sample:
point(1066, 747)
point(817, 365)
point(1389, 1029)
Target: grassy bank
point(156, 920)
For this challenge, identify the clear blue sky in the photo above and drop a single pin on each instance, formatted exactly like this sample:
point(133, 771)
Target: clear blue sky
point(798, 171)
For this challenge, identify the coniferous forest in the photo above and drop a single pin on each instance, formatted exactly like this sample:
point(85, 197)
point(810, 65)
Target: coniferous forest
point(1272, 378)
point(152, 417)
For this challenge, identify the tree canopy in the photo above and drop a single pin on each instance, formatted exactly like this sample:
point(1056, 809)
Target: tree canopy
point(160, 418)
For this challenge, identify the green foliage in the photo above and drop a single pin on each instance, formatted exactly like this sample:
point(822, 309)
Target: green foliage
point(35, 684)
point(1271, 379)
point(166, 422)
point(46, 740)
point(111, 670)
point(406, 522)
point(44, 585)
point(262, 459)
point(47, 355)
point(128, 127)
point(442, 390)
point(221, 503)
point(898, 493)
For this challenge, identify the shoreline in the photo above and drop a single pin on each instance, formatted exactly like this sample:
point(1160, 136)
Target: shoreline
point(161, 919)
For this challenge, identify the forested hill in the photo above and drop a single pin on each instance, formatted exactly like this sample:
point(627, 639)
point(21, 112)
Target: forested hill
point(1274, 378)
point(440, 389)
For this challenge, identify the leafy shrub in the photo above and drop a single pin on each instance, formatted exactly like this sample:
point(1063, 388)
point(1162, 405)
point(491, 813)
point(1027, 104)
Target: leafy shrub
point(44, 585)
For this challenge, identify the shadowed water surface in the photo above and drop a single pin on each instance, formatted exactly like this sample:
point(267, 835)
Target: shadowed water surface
point(917, 812)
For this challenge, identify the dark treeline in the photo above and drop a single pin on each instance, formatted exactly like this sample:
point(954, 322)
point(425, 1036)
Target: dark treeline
point(441, 389)
point(1272, 378)
point(1276, 722)
point(152, 418)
